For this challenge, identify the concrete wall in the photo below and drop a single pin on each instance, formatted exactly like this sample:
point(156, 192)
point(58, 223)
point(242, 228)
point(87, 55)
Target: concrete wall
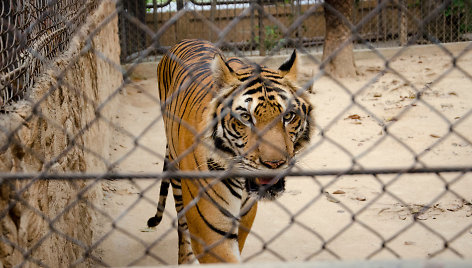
point(54, 130)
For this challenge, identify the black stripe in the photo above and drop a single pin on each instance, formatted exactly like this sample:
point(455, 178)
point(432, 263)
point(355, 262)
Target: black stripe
point(219, 144)
point(273, 76)
point(211, 226)
point(240, 145)
point(243, 78)
point(212, 165)
point(176, 183)
point(215, 193)
point(178, 198)
point(164, 188)
point(234, 133)
point(265, 70)
point(230, 186)
point(253, 91)
point(236, 183)
point(304, 108)
point(276, 89)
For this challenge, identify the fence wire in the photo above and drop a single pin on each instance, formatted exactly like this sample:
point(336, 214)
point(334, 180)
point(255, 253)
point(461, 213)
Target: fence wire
point(34, 32)
point(386, 175)
point(392, 25)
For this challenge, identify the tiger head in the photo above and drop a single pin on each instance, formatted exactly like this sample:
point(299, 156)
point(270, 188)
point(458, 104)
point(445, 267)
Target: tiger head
point(260, 120)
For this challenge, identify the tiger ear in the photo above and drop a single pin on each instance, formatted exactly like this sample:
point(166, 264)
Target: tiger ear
point(222, 73)
point(288, 69)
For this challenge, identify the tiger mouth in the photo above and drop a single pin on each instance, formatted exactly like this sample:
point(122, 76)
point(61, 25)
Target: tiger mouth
point(266, 188)
point(265, 181)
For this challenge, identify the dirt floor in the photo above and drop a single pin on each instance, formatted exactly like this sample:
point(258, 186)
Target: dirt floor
point(319, 209)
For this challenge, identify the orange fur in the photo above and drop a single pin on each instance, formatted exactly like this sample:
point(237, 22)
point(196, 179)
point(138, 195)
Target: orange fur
point(222, 114)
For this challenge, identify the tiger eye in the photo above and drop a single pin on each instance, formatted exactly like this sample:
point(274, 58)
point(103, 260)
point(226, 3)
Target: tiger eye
point(289, 116)
point(246, 117)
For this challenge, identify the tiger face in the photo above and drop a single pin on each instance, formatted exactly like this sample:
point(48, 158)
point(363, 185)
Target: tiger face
point(260, 120)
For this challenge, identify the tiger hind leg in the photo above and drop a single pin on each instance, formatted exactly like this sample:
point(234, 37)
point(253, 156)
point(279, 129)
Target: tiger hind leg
point(186, 255)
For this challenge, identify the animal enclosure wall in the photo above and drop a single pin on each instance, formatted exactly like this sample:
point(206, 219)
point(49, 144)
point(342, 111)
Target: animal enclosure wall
point(385, 176)
point(54, 128)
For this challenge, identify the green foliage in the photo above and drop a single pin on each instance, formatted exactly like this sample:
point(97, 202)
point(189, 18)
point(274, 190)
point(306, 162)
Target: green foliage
point(459, 12)
point(150, 3)
point(458, 5)
point(273, 36)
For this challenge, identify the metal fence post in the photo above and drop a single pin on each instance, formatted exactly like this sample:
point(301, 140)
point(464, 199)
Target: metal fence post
point(403, 24)
point(132, 37)
point(156, 43)
point(212, 18)
point(180, 4)
point(262, 49)
point(296, 13)
point(180, 24)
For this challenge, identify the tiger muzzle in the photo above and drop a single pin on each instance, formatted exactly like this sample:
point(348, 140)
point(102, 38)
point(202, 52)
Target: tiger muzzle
point(273, 164)
point(268, 187)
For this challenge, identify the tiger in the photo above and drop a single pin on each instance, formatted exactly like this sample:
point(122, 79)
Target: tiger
point(225, 115)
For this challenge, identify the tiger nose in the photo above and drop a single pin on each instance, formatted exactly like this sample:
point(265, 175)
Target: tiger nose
point(273, 163)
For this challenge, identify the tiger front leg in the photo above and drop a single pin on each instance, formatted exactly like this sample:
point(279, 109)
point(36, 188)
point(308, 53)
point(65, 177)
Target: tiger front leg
point(212, 219)
point(248, 214)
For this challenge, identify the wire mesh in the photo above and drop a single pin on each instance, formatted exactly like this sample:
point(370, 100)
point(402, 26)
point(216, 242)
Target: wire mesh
point(386, 175)
point(256, 32)
point(32, 33)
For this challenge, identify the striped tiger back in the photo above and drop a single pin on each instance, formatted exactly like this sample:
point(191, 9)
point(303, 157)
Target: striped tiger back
point(185, 88)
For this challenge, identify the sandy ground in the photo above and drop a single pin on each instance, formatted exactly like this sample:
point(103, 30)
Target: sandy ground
point(321, 209)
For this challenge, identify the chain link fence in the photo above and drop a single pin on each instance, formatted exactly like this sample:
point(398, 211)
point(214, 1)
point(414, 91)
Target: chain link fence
point(387, 174)
point(393, 24)
point(33, 33)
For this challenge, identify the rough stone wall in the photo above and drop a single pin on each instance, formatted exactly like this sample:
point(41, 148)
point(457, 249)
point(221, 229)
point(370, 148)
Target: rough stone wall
point(56, 130)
